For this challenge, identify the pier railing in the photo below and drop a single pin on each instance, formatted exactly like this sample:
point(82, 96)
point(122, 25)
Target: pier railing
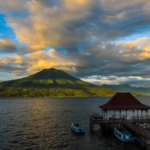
point(122, 119)
point(144, 117)
point(137, 124)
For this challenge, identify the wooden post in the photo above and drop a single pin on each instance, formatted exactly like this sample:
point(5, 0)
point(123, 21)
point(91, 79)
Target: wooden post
point(146, 118)
point(91, 127)
point(120, 113)
point(106, 126)
point(126, 113)
point(146, 114)
point(114, 113)
point(133, 113)
point(106, 114)
point(137, 113)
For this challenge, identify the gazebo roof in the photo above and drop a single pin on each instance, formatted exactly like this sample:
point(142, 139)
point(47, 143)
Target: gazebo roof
point(123, 101)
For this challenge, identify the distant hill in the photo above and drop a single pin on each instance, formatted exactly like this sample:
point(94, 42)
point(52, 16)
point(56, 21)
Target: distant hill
point(51, 83)
point(128, 88)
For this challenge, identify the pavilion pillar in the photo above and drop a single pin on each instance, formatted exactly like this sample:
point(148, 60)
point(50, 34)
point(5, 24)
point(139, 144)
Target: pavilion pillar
point(146, 118)
point(137, 113)
point(120, 113)
point(146, 114)
point(106, 114)
point(126, 114)
point(114, 113)
point(133, 113)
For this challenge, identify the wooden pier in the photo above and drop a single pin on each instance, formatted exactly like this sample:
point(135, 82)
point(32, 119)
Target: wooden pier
point(136, 123)
point(140, 126)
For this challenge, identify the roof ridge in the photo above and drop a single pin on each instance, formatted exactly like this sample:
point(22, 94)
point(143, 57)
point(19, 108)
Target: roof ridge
point(123, 101)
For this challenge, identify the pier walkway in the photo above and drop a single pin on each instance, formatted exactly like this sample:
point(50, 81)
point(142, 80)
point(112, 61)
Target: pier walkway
point(137, 129)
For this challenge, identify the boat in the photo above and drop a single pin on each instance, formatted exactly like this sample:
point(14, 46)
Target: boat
point(123, 135)
point(77, 128)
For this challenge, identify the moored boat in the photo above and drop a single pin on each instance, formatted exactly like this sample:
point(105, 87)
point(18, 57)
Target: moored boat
point(123, 135)
point(77, 128)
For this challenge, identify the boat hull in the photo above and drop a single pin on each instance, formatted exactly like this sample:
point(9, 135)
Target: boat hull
point(123, 135)
point(79, 133)
point(77, 130)
point(125, 141)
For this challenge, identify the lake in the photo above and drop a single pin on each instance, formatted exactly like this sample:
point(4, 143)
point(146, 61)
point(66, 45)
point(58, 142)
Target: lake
point(44, 123)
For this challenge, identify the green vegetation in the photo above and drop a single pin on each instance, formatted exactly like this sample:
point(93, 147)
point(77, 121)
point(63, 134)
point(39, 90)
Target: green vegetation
point(52, 83)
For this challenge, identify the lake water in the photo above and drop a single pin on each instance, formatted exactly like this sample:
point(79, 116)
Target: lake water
point(44, 123)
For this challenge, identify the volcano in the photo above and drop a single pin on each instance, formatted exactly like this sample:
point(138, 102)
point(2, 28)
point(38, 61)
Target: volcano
point(51, 83)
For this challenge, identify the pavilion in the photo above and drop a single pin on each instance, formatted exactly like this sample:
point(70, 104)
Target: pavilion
point(123, 101)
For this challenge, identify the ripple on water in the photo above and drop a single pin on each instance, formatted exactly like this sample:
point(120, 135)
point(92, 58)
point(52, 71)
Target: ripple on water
point(45, 124)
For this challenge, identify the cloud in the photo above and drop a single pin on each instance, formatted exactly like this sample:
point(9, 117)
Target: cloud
point(120, 59)
point(117, 17)
point(34, 62)
point(80, 35)
point(15, 63)
point(69, 23)
point(135, 81)
point(40, 60)
point(9, 6)
point(6, 45)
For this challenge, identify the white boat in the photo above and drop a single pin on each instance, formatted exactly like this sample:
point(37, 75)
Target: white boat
point(77, 128)
point(123, 135)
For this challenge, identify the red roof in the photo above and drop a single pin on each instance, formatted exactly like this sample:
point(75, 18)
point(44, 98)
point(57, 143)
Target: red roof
point(123, 101)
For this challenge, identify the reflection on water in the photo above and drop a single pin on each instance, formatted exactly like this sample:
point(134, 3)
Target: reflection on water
point(44, 123)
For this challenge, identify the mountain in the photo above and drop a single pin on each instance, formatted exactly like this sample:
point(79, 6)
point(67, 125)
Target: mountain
point(128, 88)
point(51, 83)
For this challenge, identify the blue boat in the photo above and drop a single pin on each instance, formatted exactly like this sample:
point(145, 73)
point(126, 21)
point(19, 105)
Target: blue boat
point(77, 128)
point(123, 135)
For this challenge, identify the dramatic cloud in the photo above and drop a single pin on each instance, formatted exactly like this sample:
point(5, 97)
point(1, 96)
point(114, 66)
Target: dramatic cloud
point(39, 60)
point(121, 59)
point(82, 37)
point(68, 23)
point(36, 61)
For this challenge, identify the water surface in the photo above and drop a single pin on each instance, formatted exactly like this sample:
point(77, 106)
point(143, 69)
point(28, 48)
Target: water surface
point(44, 123)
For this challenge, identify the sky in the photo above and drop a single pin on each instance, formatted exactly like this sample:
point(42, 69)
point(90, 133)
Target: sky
point(99, 41)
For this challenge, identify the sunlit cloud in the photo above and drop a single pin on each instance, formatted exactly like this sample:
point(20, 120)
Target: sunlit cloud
point(65, 23)
point(121, 59)
point(77, 37)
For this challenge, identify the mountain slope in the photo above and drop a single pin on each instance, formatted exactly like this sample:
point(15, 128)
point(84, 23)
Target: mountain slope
point(51, 83)
point(128, 88)
point(47, 78)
